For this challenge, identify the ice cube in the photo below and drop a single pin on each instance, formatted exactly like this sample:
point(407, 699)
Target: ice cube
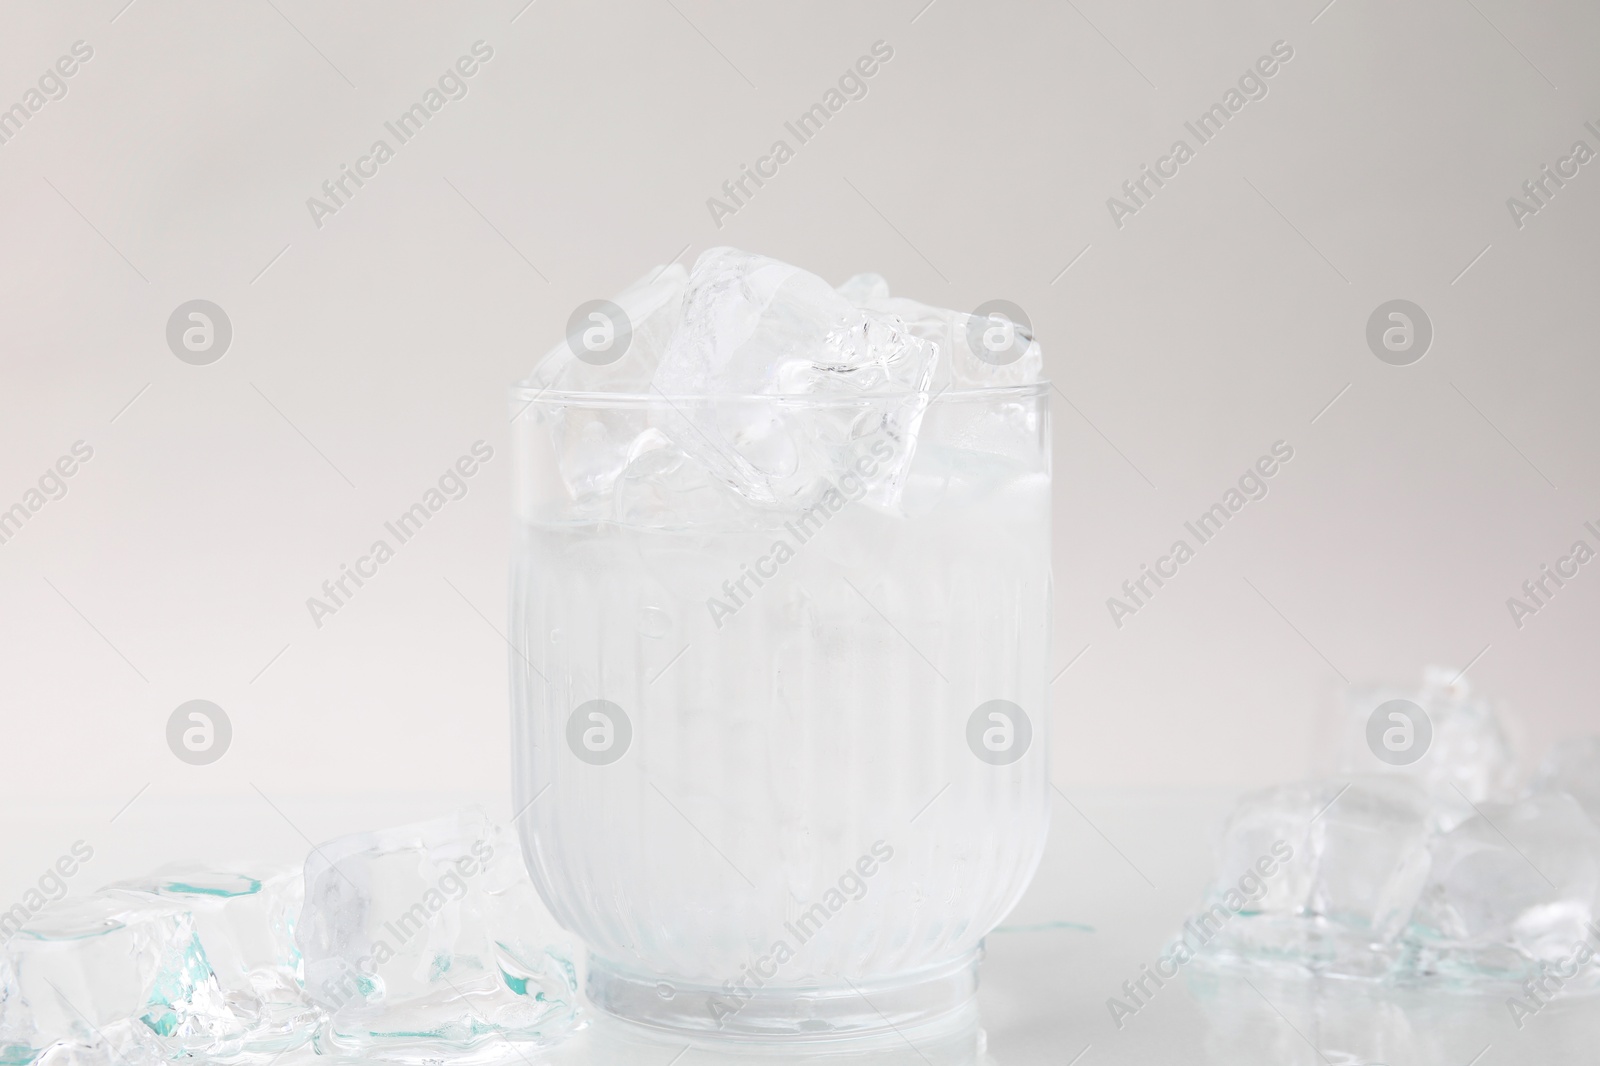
point(586, 359)
point(1319, 877)
point(865, 290)
point(593, 439)
point(662, 487)
point(755, 327)
point(108, 977)
point(1573, 766)
point(116, 1045)
point(1513, 887)
point(953, 433)
point(965, 365)
point(245, 924)
point(965, 362)
point(751, 326)
point(593, 442)
point(1461, 753)
point(429, 940)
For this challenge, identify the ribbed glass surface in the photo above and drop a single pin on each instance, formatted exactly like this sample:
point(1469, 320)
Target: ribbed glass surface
point(800, 770)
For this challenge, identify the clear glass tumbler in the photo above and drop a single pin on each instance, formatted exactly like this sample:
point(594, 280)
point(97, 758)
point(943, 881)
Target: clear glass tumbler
point(781, 756)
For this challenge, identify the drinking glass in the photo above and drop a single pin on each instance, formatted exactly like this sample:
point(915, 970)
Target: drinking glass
point(780, 696)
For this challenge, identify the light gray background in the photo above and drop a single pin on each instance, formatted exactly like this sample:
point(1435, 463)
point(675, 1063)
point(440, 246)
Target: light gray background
point(370, 353)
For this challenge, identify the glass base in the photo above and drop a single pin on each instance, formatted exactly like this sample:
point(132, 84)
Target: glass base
point(774, 1012)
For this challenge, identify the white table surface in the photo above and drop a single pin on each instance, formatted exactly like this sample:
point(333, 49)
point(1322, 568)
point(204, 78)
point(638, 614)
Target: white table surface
point(1123, 870)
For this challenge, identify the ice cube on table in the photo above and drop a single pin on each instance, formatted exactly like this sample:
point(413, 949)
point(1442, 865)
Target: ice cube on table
point(112, 1046)
point(244, 920)
point(429, 941)
point(844, 381)
point(1319, 877)
point(1573, 766)
point(116, 976)
point(1513, 887)
point(1468, 758)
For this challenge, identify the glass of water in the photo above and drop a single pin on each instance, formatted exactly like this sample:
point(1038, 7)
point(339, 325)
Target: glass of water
point(781, 762)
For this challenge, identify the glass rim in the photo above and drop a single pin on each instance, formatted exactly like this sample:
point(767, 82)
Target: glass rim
point(527, 395)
